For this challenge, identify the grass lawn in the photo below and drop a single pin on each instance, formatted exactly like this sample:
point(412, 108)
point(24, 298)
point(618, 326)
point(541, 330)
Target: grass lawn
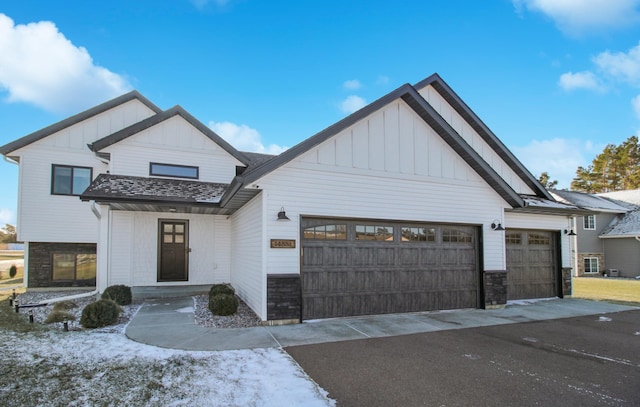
point(11, 256)
point(610, 289)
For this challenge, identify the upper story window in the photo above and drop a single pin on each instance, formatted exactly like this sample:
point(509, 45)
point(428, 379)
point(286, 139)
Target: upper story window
point(590, 222)
point(172, 170)
point(69, 180)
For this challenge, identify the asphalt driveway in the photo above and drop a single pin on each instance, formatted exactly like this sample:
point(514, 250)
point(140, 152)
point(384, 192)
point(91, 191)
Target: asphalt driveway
point(583, 361)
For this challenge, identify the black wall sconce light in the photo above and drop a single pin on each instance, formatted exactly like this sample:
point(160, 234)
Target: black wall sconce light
point(282, 215)
point(570, 232)
point(496, 225)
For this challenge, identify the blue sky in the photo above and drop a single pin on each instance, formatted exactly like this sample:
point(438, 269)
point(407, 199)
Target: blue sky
point(556, 80)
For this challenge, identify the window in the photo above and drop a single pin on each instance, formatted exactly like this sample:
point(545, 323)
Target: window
point(73, 266)
point(374, 232)
point(456, 236)
point(68, 180)
point(411, 234)
point(591, 265)
point(539, 239)
point(326, 232)
point(590, 222)
point(513, 237)
point(175, 171)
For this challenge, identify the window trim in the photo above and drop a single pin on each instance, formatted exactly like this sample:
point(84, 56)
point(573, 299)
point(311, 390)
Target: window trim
point(72, 167)
point(153, 173)
point(586, 222)
point(591, 261)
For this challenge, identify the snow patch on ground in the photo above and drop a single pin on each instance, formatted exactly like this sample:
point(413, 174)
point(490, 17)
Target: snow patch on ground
point(605, 319)
point(91, 368)
point(186, 310)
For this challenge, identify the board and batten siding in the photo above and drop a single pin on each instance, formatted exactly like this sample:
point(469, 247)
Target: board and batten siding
point(247, 253)
point(543, 222)
point(390, 165)
point(174, 141)
point(44, 217)
point(134, 236)
point(474, 140)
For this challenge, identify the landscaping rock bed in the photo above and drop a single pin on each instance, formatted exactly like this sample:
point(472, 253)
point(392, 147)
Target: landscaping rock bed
point(244, 318)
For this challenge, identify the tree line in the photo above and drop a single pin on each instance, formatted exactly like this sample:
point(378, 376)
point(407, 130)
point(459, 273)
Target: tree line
point(616, 168)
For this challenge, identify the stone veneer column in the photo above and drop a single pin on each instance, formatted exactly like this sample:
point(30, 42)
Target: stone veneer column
point(495, 288)
point(284, 299)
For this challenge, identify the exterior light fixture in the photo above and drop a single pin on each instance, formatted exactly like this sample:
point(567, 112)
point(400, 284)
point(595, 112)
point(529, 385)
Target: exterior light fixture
point(282, 215)
point(570, 232)
point(496, 225)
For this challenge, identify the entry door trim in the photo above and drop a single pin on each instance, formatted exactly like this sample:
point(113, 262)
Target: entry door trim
point(177, 235)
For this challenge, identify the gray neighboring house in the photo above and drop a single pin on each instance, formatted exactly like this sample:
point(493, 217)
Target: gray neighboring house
point(608, 240)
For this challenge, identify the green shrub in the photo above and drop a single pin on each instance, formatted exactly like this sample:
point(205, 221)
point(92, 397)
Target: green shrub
point(13, 270)
point(121, 294)
point(223, 304)
point(64, 306)
point(100, 313)
point(59, 316)
point(221, 289)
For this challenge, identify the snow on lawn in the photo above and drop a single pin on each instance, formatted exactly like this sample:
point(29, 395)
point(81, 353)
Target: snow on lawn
point(55, 368)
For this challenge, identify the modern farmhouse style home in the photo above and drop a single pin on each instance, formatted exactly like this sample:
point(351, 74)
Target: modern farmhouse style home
point(409, 204)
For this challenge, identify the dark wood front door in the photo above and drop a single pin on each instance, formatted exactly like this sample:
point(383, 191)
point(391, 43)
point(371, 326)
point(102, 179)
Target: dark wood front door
point(173, 250)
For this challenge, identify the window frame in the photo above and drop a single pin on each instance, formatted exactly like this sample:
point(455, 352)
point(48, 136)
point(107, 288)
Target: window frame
point(153, 173)
point(76, 256)
point(591, 260)
point(587, 224)
point(73, 168)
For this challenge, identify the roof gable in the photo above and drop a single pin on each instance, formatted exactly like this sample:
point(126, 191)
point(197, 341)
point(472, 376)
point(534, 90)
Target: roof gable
point(422, 108)
point(161, 117)
point(484, 132)
point(61, 125)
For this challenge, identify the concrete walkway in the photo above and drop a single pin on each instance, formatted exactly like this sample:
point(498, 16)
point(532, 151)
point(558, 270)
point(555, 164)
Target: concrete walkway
point(169, 323)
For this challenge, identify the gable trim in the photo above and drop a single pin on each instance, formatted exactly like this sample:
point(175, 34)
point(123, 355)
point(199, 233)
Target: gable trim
point(160, 117)
point(422, 108)
point(80, 117)
point(487, 135)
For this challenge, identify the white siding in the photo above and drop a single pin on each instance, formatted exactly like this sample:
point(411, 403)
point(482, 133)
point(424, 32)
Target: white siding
point(473, 139)
point(543, 222)
point(134, 248)
point(43, 217)
point(247, 251)
point(174, 141)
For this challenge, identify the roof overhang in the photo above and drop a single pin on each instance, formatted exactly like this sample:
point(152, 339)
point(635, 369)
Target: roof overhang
point(537, 205)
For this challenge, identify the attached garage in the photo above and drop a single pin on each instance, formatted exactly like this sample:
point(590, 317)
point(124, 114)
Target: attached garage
point(532, 264)
point(362, 267)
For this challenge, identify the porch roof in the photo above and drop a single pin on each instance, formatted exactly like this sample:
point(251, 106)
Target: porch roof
point(161, 195)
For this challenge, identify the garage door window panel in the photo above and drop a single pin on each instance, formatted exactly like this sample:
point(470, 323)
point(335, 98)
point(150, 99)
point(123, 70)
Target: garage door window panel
point(456, 236)
point(374, 232)
point(326, 232)
point(418, 234)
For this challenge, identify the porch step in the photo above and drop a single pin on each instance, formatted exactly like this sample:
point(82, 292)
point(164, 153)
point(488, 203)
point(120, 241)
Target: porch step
point(147, 292)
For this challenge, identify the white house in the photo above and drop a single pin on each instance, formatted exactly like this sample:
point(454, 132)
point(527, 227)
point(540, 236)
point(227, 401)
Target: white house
point(409, 204)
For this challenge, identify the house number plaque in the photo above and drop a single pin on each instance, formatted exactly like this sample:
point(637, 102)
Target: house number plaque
point(283, 244)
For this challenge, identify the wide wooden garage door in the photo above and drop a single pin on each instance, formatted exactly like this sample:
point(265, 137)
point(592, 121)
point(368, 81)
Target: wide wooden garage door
point(531, 264)
point(372, 267)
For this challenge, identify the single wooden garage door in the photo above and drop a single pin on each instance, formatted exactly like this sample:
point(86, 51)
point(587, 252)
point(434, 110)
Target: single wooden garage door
point(372, 267)
point(531, 264)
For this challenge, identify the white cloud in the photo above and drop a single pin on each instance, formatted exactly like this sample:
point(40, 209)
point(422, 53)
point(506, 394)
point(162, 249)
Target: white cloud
point(382, 80)
point(621, 66)
point(560, 158)
point(244, 138)
point(352, 103)
point(7, 216)
point(352, 84)
point(635, 103)
point(577, 17)
point(579, 80)
point(39, 65)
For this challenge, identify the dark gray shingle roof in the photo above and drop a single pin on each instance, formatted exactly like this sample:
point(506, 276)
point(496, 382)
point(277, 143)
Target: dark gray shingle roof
point(120, 188)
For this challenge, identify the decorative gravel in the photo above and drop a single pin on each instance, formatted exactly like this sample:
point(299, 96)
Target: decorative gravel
point(243, 318)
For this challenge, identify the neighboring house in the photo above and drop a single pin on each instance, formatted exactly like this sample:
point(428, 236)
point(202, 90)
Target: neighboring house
point(401, 206)
point(608, 238)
